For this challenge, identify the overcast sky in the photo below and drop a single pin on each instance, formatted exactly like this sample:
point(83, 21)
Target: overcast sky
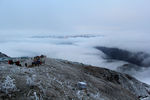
point(75, 16)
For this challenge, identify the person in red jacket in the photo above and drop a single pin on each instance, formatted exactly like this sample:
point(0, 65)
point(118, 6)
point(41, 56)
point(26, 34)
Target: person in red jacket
point(10, 62)
point(18, 63)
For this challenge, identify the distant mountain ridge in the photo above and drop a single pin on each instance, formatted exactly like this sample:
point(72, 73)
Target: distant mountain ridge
point(138, 58)
point(68, 36)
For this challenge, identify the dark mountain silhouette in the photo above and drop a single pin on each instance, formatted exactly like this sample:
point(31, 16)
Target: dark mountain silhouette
point(137, 58)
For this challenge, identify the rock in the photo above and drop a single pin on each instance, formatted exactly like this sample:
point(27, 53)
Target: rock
point(82, 85)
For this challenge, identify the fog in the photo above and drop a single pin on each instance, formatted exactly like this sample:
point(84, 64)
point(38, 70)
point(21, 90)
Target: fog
point(113, 23)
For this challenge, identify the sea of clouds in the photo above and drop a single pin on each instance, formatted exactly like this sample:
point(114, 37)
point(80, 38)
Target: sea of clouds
point(76, 47)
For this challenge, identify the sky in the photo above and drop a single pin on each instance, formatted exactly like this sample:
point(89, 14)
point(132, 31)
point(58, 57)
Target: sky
point(74, 16)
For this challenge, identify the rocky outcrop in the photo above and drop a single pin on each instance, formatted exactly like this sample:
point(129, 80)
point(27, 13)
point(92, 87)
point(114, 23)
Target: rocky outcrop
point(58, 79)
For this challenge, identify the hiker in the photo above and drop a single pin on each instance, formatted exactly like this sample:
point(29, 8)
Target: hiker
point(37, 60)
point(43, 58)
point(26, 64)
point(18, 63)
point(10, 62)
point(33, 64)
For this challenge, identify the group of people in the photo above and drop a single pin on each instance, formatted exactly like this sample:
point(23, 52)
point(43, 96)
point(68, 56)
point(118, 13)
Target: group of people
point(36, 61)
point(11, 62)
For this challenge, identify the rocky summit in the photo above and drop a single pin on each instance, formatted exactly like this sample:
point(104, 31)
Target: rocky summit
point(58, 79)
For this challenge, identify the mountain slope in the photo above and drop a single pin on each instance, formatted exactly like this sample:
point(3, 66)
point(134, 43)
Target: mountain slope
point(58, 79)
